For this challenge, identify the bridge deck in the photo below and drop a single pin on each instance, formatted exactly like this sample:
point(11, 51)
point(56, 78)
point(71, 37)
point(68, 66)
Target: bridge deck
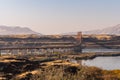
point(44, 47)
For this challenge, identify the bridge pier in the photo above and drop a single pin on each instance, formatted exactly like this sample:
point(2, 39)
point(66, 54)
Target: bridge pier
point(19, 52)
point(0, 52)
point(78, 47)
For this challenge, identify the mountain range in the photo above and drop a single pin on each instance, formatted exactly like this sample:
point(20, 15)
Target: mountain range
point(109, 30)
point(8, 30)
point(114, 30)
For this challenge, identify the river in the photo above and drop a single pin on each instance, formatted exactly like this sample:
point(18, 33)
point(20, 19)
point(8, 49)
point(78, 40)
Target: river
point(107, 63)
point(100, 50)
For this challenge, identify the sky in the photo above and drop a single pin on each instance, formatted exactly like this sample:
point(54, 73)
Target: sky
point(60, 16)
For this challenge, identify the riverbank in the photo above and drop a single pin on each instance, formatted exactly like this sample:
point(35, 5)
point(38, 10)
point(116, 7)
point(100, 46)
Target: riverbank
point(62, 70)
point(54, 67)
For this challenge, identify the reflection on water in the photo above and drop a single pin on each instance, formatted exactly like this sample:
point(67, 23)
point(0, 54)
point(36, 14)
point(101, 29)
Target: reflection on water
point(108, 63)
point(101, 50)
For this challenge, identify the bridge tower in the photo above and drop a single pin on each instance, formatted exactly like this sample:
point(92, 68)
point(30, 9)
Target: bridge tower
point(78, 47)
point(79, 37)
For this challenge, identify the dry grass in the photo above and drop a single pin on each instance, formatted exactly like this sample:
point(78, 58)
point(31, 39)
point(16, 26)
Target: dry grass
point(73, 73)
point(32, 68)
point(28, 72)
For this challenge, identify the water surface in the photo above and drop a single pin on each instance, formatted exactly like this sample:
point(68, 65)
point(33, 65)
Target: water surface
point(101, 50)
point(108, 63)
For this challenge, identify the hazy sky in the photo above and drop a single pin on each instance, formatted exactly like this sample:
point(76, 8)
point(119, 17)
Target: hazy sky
point(60, 16)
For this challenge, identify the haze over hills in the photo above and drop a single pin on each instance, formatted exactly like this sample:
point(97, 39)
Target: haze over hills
point(109, 30)
point(115, 30)
point(7, 30)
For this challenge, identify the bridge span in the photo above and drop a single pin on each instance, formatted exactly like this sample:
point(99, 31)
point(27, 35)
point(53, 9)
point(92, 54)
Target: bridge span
point(45, 47)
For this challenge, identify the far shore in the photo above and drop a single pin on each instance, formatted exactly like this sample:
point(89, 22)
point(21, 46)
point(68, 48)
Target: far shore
point(91, 55)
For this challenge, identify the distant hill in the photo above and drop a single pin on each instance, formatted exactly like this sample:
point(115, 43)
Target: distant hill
point(7, 30)
point(110, 30)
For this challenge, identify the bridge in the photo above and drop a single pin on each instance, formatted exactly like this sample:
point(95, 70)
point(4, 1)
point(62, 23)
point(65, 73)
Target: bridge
point(44, 46)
